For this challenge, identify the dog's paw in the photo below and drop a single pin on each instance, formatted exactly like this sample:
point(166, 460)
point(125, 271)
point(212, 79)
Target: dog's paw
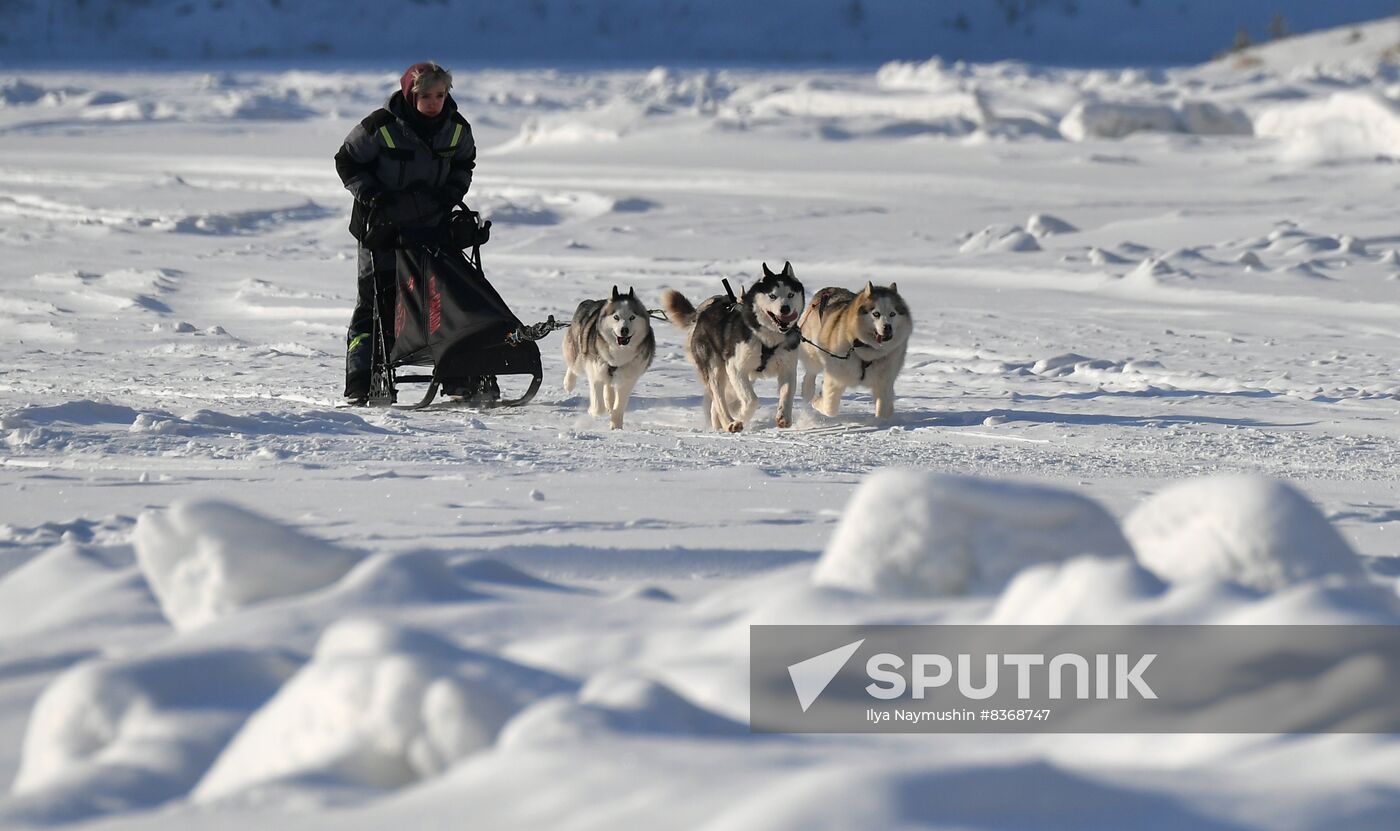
point(735, 427)
point(784, 422)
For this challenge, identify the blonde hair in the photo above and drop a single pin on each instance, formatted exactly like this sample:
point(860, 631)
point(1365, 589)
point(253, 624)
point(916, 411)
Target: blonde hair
point(430, 76)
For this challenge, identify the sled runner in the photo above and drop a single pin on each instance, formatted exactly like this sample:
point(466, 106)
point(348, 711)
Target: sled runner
point(450, 318)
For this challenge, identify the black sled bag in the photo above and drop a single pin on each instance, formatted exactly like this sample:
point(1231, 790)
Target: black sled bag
point(449, 317)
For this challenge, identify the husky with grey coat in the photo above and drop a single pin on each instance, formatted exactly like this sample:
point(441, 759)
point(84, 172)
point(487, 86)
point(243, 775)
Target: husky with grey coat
point(855, 339)
point(732, 342)
point(611, 342)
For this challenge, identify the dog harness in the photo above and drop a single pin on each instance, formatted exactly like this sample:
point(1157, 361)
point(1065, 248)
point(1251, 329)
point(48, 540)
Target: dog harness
point(793, 338)
point(818, 304)
point(864, 364)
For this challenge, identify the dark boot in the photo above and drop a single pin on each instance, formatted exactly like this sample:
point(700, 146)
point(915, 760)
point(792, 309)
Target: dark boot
point(460, 388)
point(476, 390)
point(489, 392)
point(359, 356)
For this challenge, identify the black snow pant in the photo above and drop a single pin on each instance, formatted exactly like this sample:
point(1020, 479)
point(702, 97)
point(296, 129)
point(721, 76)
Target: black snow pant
point(376, 271)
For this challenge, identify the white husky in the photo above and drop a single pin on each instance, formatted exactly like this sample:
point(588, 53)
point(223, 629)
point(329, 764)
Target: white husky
point(611, 342)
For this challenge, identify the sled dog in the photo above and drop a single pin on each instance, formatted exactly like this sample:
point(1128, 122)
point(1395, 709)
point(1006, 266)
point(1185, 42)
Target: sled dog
point(611, 342)
point(736, 340)
point(854, 340)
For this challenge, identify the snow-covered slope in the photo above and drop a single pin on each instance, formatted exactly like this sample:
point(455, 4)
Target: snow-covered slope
point(629, 32)
point(1155, 348)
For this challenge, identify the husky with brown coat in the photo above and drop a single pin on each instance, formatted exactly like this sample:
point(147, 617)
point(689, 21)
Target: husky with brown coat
point(734, 341)
point(611, 342)
point(854, 340)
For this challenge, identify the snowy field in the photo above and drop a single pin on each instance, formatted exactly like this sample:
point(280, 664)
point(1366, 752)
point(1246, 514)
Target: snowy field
point(225, 603)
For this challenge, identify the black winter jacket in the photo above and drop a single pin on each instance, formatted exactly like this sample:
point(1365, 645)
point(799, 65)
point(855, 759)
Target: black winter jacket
point(385, 154)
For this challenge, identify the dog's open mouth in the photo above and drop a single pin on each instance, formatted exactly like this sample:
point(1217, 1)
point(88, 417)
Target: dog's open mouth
point(783, 323)
point(881, 337)
point(623, 340)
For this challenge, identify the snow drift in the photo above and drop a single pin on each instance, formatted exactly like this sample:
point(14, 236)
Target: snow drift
point(1104, 119)
point(205, 560)
point(912, 534)
point(1346, 125)
point(1255, 531)
point(378, 706)
point(131, 733)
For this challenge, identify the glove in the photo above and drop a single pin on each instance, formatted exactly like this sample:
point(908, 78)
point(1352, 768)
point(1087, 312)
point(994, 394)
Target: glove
point(446, 197)
point(381, 235)
point(388, 201)
point(394, 207)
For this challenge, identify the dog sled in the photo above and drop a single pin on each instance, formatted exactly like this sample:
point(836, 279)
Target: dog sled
point(450, 319)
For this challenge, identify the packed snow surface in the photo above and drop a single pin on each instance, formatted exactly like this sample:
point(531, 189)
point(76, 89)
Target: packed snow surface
point(1155, 379)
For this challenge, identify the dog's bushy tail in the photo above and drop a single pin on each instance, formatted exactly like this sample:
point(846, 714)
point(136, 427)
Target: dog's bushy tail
point(678, 309)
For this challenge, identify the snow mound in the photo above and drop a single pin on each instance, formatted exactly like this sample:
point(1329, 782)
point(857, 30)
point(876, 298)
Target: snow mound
point(1099, 256)
point(79, 413)
point(1045, 225)
point(379, 707)
point(1203, 118)
point(109, 735)
point(1100, 119)
point(1255, 531)
point(1068, 363)
point(999, 238)
point(205, 560)
point(1104, 119)
point(1251, 261)
point(1303, 245)
point(19, 91)
point(663, 86)
point(603, 125)
point(395, 579)
point(913, 534)
point(953, 112)
point(522, 206)
point(932, 74)
point(615, 701)
point(1154, 270)
point(1085, 590)
point(1346, 125)
point(286, 106)
point(73, 586)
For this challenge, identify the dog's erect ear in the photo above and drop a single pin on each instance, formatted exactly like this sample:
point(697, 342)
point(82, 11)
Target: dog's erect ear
point(616, 295)
point(894, 288)
point(787, 269)
point(869, 288)
point(632, 292)
point(766, 272)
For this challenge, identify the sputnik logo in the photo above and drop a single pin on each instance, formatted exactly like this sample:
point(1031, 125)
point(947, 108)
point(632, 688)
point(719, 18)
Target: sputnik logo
point(811, 677)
